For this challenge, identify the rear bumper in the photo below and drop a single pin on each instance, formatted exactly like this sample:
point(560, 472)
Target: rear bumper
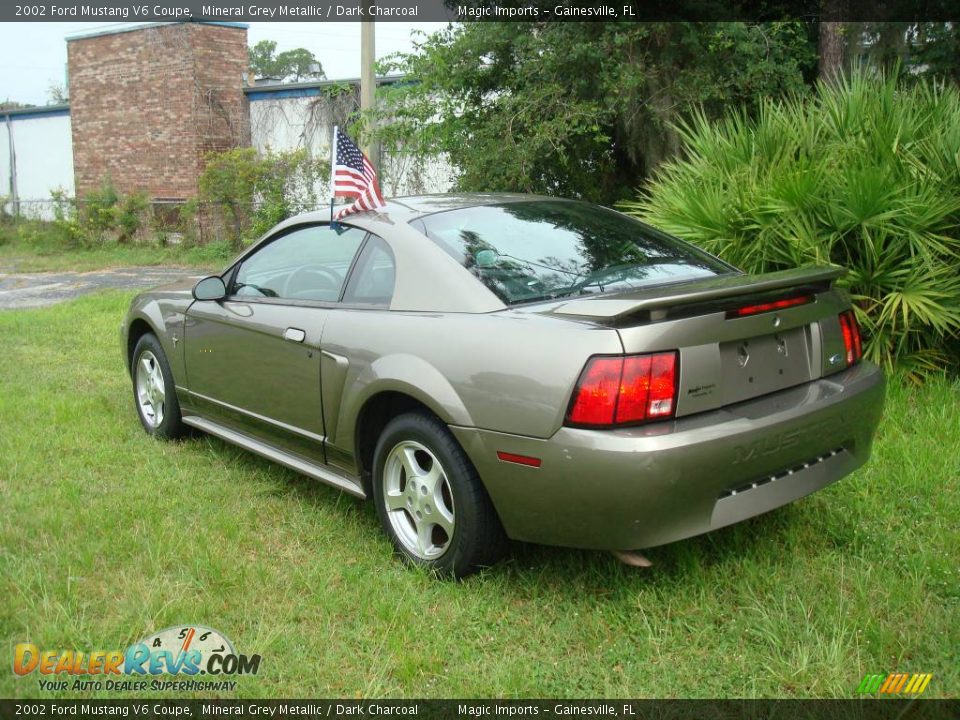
point(640, 487)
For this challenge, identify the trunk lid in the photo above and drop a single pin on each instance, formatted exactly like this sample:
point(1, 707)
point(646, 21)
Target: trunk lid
point(727, 357)
point(656, 303)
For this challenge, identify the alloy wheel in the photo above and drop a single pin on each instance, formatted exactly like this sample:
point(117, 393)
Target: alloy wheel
point(151, 393)
point(418, 500)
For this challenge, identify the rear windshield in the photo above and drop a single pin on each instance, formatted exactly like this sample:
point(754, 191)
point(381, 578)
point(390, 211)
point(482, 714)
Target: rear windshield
point(546, 249)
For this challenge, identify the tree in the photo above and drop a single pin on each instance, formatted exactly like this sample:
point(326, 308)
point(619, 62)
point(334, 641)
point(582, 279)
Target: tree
point(579, 109)
point(912, 50)
point(862, 173)
point(58, 94)
point(290, 65)
point(915, 50)
point(934, 49)
point(13, 105)
point(831, 50)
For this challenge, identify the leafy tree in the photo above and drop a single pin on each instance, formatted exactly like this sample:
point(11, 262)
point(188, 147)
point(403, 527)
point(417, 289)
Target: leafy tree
point(290, 65)
point(935, 50)
point(864, 174)
point(913, 49)
point(13, 105)
point(579, 109)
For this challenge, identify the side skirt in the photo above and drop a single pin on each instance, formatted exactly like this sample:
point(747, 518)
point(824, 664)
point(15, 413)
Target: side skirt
point(324, 474)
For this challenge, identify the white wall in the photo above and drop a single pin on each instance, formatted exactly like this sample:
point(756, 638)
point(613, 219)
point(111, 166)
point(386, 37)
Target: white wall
point(291, 124)
point(279, 122)
point(44, 159)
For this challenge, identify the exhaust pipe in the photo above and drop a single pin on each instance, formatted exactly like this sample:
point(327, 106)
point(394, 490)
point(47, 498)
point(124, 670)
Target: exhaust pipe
point(633, 558)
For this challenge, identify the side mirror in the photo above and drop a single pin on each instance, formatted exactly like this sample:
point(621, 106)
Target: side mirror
point(210, 288)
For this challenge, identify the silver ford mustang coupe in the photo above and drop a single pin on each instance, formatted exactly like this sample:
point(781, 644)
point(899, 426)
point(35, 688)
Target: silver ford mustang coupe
point(511, 366)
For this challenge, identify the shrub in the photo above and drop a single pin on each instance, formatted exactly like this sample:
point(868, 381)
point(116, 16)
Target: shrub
point(6, 221)
point(103, 216)
point(65, 221)
point(134, 216)
point(865, 174)
point(253, 192)
point(99, 211)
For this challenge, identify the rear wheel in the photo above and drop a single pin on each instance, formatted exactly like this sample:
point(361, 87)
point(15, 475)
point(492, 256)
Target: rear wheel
point(153, 390)
point(430, 500)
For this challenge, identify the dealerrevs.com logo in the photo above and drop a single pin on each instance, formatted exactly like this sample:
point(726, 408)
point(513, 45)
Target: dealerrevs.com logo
point(183, 651)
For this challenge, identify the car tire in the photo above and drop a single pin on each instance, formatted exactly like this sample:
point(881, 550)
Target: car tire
point(154, 392)
point(430, 500)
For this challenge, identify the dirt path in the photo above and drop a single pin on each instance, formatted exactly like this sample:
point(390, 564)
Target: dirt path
point(26, 290)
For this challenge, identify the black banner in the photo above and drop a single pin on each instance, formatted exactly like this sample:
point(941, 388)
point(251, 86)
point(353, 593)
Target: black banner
point(112, 11)
point(861, 709)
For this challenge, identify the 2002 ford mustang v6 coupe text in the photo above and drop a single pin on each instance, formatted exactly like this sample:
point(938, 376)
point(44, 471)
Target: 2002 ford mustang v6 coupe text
point(494, 366)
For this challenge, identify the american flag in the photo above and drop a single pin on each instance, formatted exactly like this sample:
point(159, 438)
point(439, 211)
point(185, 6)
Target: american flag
point(353, 177)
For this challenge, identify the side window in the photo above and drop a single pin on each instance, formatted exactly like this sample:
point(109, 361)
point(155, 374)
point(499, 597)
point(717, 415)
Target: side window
point(310, 263)
point(372, 280)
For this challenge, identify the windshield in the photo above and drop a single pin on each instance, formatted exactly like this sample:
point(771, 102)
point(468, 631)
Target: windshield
point(546, 249)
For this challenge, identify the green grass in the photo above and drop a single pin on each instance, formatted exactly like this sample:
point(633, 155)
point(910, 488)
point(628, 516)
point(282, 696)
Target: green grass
point(108, 535)
point(34, 246)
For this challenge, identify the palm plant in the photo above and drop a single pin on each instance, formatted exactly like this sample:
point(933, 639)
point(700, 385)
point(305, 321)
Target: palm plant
point(865, 173)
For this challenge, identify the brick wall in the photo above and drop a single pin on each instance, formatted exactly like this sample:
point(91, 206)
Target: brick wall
point(146, 105)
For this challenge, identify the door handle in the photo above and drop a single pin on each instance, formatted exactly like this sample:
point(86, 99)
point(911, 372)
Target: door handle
point(294, 335)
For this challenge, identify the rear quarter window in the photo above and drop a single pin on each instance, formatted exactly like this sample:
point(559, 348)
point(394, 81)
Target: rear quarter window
point(374, 277)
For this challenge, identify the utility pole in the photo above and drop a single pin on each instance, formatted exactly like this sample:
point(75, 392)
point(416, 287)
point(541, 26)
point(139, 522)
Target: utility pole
point(12, 151)
point(368, 86)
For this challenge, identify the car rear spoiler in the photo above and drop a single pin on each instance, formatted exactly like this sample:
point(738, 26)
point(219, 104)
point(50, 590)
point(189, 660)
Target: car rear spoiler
point(656, 302)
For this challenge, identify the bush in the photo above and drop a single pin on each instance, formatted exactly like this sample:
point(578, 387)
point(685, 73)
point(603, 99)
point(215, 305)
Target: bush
point(865, 174)
point(6, 222)
point(253, 192)
point(102, 217)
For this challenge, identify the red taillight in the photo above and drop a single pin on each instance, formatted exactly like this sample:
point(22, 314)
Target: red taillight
point(596, 394)
point(769, 306)
point(625, 390)
point(851, 336)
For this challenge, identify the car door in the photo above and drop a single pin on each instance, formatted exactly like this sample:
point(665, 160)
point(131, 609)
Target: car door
point(366, 298)
point(253, 359)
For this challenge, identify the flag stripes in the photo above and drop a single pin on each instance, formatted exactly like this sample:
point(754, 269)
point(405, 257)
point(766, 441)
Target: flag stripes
point(352, 176)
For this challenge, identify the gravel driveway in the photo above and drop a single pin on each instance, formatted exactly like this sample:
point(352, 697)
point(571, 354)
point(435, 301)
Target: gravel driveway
point(26, 290)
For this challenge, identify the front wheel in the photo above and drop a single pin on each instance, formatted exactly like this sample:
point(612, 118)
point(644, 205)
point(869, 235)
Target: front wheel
point(154, 391)
point(430, 500)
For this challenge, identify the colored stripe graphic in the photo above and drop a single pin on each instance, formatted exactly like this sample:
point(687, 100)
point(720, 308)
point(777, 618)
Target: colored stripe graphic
point(895, 683)
point(870, 683)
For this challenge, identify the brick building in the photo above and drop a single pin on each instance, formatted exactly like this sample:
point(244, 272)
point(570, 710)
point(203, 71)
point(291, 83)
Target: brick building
point(147, 104)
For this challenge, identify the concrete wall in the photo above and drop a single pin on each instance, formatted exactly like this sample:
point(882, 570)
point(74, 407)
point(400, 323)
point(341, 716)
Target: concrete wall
point(295, 117)
point(43, 152)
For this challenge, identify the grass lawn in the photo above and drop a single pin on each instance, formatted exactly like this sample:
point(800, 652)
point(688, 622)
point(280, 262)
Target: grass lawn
point(108, 535)
point(36, 248)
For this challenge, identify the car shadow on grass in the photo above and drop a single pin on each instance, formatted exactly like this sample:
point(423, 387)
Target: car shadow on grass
point(770, 539)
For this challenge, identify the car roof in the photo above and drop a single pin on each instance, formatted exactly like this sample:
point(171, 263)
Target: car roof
point(410, 207)
point(433, 280)
point(439, 202)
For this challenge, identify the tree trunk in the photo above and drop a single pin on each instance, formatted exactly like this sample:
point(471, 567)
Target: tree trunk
point(831, 50)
